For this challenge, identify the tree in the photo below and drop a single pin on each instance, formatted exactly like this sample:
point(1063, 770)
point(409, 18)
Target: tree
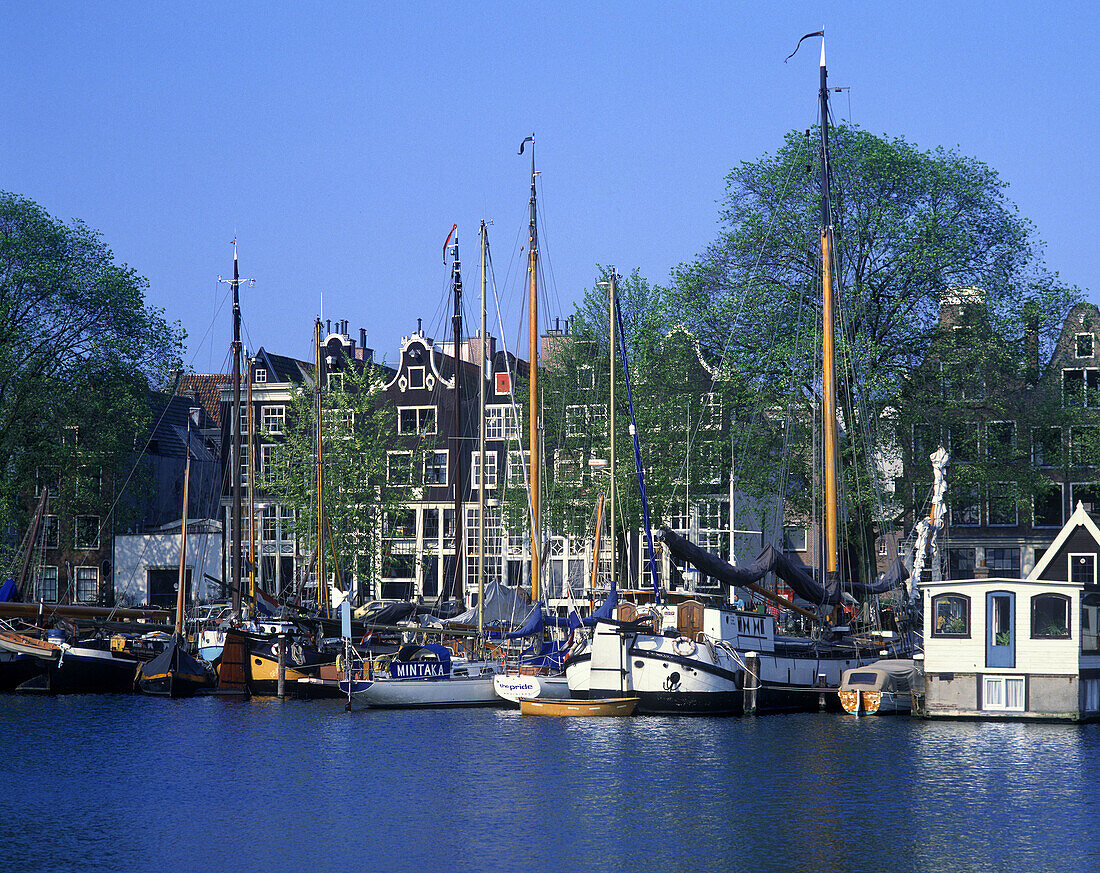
point(358, 430)
point(79, 350)
point(912, 228)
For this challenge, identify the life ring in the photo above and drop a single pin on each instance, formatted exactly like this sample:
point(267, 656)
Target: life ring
point(684, 647)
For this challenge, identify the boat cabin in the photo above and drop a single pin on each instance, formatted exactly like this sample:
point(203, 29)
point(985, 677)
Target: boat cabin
point(1019, 648)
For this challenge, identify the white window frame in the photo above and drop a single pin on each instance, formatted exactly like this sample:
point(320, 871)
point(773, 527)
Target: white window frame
point(419, 429)
point(335, 381)
point(1085, 371)
point(53, 542)
point(518, 464)
point(259, 375)
point(500, 423)
point(1069, 565)
point(268, 455)
point(491, 472)
point(94, 545)
point(989, 505)
point(44, 576)
point(273, 418)
point(1001, 703)
point(1036, 443)
point(92, 572)
point(1061, 508)
point(435, 454)
point(1077, 348)
point(576, 420)
point(390, 456)
point(421, 371)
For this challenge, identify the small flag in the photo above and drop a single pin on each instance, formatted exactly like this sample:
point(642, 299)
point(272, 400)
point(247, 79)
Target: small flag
point(266, 603)
point(530, 139)
point(807, 36)
point(448, 242)
point(195, 411)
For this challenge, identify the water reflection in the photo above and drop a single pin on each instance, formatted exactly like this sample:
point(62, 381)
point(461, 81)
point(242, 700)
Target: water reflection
point(282, 785)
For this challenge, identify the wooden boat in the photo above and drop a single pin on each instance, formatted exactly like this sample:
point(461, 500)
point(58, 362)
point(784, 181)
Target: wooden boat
point(22, 644)
point(607, 706)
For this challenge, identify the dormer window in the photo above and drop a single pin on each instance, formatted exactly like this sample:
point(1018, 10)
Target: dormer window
point(1084, 345)
point(260, 374)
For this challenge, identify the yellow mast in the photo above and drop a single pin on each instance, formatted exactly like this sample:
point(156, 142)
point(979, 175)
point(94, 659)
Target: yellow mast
point(533, 411)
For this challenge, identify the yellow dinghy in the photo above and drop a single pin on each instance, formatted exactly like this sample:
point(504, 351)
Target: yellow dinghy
point(605, 706)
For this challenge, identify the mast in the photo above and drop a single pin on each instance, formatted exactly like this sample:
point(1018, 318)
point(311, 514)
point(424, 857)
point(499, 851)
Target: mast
point(614, 293)
point(456, 329)
point(181, 585)
point(235, 431)
point(318, 376)
point(251, 494)
point(829, 427)
point(481, 452)
point(533, 410)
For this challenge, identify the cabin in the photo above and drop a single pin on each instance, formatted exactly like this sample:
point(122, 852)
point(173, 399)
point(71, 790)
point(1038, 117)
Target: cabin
point(1019, 648)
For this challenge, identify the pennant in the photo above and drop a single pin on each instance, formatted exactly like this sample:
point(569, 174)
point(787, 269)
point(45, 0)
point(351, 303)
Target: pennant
point(448, 242)
point(530, 139)
point(807, 36)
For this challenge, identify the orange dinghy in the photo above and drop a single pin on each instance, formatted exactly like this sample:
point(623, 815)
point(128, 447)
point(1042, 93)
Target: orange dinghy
point(604, 707)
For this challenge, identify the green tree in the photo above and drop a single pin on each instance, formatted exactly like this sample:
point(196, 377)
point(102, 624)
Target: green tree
point(358, 432)
point(912, 227)
point(79, 350)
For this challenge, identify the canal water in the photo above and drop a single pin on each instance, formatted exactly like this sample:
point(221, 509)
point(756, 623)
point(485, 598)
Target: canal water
point(134, 783)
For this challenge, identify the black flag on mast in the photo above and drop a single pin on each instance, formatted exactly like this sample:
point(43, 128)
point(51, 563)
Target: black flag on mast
point(807, 36)
point(531, 138)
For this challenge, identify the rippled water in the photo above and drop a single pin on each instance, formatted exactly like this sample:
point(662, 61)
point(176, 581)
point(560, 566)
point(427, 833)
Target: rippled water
point(133, 783)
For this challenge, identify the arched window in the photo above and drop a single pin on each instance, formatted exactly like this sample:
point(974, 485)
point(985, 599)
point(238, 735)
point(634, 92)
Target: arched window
point(950, 615)
point(1050, 617)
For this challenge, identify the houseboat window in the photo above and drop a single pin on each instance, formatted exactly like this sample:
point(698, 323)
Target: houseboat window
point(1090, 624)
point(1003, 693)
point(1050, 616)
point(862, 678)
point(1082, 569)
point(951, 615)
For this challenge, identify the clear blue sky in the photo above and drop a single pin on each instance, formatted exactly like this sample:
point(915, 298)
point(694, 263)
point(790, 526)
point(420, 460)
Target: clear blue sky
point(340, 141)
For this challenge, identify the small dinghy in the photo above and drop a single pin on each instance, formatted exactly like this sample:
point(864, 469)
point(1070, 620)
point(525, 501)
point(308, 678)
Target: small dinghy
point(606, 706)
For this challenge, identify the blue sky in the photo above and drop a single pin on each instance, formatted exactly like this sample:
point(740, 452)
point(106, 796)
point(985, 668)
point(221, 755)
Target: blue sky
point(340, 141)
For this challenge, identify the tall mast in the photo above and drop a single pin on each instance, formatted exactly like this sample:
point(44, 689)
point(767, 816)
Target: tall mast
point(456, 329)
point(318, 377)
point(829, 428)
point(251, 493)
point(181, 586)
point(235, 431)
point(614, 292)
point(533, 410)
point(481, 451)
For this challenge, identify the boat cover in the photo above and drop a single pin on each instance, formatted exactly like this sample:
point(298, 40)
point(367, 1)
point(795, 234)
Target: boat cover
point(897, 674)
point(8, 592)
point(176, 658)
point(807, 582)
point(502, 604)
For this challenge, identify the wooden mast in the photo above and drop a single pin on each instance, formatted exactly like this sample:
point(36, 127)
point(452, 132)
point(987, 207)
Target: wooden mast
point(829, 427)
point(613, 289)
point(251, 493)
point(481, 450)
point(533, 399)
point(318, 376)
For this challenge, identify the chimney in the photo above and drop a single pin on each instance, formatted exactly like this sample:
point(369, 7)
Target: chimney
point(362, 337)
point(328, 325)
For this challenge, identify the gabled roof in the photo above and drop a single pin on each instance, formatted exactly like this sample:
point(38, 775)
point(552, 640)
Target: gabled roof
point(1079, 518)
point(283, 369)
point(202, 390)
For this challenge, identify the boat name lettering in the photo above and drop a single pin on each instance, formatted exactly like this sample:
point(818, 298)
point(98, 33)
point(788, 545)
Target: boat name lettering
point(399, 670)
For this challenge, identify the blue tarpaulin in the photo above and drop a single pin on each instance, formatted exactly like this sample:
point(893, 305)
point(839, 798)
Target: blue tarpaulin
point(8, 592)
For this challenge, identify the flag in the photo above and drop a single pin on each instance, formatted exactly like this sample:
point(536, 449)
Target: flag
point(266, 603)
point(530, 139)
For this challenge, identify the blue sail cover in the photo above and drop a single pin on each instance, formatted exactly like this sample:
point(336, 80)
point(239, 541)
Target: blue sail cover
point(8, 592)
point(538, 620)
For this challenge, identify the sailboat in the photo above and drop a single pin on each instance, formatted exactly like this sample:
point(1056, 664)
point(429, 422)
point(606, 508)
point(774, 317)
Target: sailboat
point(175, 672)
point(710, 657)
point(433, 675)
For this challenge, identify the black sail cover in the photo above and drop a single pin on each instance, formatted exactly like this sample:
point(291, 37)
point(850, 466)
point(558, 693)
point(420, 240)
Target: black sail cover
point(805, 581)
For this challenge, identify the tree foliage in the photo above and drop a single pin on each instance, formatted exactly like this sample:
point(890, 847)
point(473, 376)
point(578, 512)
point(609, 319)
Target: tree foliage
point(79, 350)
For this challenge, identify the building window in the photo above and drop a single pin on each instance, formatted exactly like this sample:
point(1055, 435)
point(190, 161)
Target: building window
point(431, 527)
point(1082, 569)
point(951, 615)
point(286, 524)
point(339, 423)
point(576, 420)
point(1050, 615)
point(1083, 343)
point(1084, 446)
point(1003, 561)
point(51, 528)
point(500, 423)
point(1002, 504)
point(1090, 624)
point(435, 467)
point(269, 454)
point(399, 468)
point(1046, 446)
point(246, 417)
point(1048, 507)
point(961, 383)
point(1004, 693)
point(416, 377)
point(960, 563)
point(1081, 388)
point(1001, 441)
point(490, 470)
point(416, 419)
point(260, 375)
point(89, 481)
point(87, 584)
point(335, 381)
point(86, 532)
point(47, 584)
point(518, 462)
point(794, 539)
point(964, 442)
point(273, 419)
point(966, 507)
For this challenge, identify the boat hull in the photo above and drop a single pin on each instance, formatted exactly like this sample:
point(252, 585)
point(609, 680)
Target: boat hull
point(514, 688)
point(82, 670)
point(612, 706)
point(423, 692)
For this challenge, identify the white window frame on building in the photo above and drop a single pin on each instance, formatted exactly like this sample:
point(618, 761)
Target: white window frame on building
point(259, 375)
point(1090, 388)
point(438, 461)
point(51, 531)
point(1075, 497)
point(406, 478)
point(90, 522)
point(518, 464)
point(273, 419)
point(86, 576)
point(500, 423)
point(490, 470)
point(1038, 448)
point(425, 420)
point(1060, 496)
point(416, 376)
point(794, 538)
point(997, 487)
point(335, 381)
point(1004, 693)
point(269, 453)
point(1088, 347)
point(1088, 561)
point(47, 583)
